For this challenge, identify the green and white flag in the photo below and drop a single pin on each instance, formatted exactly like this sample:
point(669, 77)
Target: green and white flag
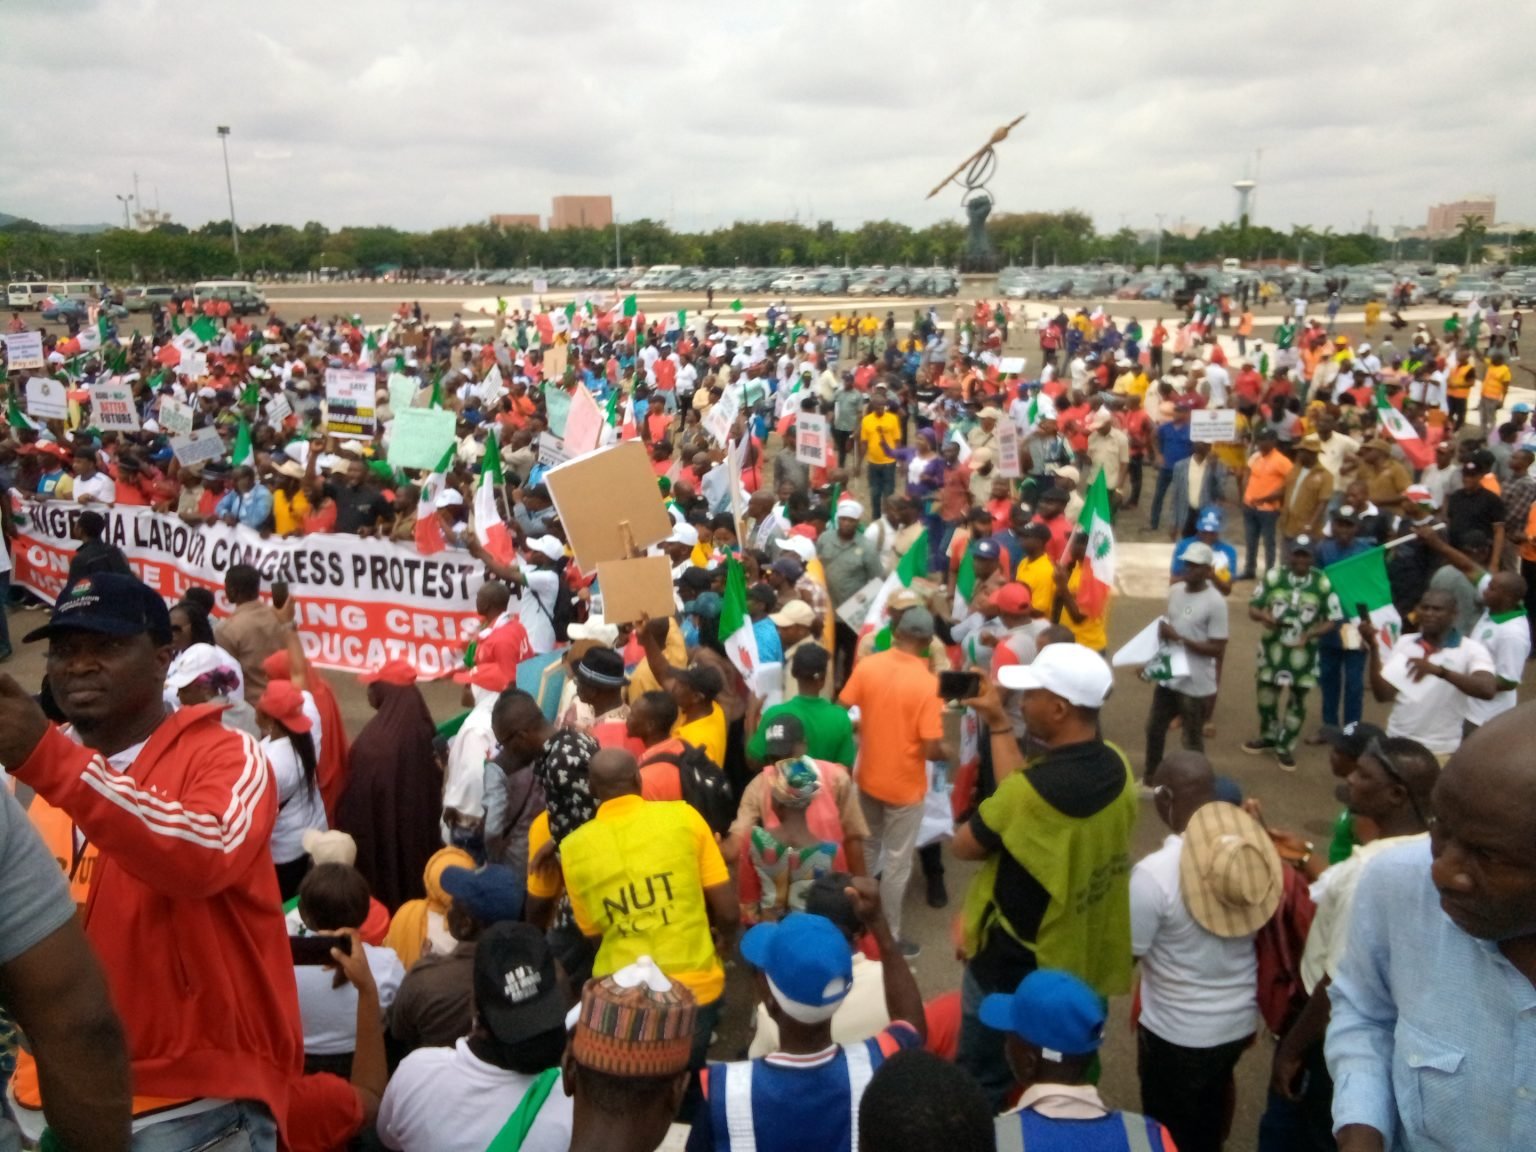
point(1363, 580)
point(736, 634)
point(1099, 563)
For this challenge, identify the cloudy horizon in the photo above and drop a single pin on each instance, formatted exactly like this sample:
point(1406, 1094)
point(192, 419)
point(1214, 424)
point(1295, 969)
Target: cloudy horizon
point(696, 115)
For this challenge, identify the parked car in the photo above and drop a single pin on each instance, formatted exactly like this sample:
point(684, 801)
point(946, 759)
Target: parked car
point(145, 298)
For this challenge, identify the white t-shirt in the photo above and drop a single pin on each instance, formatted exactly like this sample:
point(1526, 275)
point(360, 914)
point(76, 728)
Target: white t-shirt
point(449, 1100)
point(1509, 643)
point(471, 746)
point(1198, 989)
point(1334, 894)
point(536, 608)
point(99, 488)
point(329, 1014)
point(1432, 710)
point(298, 807)
point(1218, 383)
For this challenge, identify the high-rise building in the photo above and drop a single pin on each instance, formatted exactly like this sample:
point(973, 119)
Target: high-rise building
point(506, 220)
point(581, 212)
point(1445, 219)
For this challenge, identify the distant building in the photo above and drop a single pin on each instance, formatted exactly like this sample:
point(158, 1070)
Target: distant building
point(505, 220)
point(1445, 219)
point(581, 212)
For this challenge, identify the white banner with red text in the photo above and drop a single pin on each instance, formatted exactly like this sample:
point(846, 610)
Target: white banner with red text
point(359, 602)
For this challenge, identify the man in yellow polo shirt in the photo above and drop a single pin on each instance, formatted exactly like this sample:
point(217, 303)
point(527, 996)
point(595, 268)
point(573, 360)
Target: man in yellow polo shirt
point(879, 435)
point(1037, 571)
point(646, 878)
point(1496, 381)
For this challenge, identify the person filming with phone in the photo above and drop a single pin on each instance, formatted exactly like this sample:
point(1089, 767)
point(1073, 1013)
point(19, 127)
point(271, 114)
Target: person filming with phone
point(184, 912)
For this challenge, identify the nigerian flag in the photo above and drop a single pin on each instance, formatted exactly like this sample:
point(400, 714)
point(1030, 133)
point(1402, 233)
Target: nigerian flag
point(242, 449)
point(15, 417)
point(93, 336)
point(1362, 579)
point(1096, 523)
point(912, 565)
point(736, 633)
point(965, 586)
point(631, 306)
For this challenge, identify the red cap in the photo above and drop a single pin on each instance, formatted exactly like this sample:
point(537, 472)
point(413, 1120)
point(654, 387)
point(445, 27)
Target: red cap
point(285, 704)
point(1012, 598)
point(390, 672)
point(492, 677)
point(806, 530)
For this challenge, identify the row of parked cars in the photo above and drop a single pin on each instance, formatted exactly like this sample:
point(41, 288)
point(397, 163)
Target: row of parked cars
point(875, 280)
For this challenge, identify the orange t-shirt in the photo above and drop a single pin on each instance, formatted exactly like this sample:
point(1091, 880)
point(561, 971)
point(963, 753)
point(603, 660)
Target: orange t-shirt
point(1528, 546)
point(659, 779)
point(1266, 480)
point(898, 699)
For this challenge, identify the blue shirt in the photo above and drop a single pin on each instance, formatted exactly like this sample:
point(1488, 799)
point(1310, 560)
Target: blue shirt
point(1330, 552)
point(1433, 1035)
point(770, 649)
point(1226, 556)
point(1173, 442)
point(249, 508)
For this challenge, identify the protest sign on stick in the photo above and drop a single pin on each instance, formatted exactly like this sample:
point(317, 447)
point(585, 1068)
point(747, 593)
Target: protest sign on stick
point(349, 399)
point(608, 502)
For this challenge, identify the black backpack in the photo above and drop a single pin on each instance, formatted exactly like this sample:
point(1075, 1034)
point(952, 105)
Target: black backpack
point(704, 787)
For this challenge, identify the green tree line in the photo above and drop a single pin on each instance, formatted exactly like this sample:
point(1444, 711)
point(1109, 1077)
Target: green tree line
point(174, 252)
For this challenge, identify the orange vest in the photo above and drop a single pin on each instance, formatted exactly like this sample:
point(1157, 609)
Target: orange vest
point(57, 830)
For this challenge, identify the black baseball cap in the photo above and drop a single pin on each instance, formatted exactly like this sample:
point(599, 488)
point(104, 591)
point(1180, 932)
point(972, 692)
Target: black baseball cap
point(108, 604)
point(782, 735)
point(517, 990)
point(1353, 739)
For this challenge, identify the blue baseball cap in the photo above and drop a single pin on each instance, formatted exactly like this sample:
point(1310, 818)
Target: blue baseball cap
point(1054, 1011)
point(807, 962)
point(986, 550)
point(1210, 519)
point(107, 604)
point(490, 894)
point(1521, 407)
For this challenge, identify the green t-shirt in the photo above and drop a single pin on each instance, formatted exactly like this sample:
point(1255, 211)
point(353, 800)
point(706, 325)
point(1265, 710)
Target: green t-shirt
point(828, 731)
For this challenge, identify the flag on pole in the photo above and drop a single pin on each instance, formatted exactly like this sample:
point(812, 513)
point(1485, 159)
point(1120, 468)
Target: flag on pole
point(913, 564)
point(1098, 579)
point(15, 417)
point(429, 529)
point(965, 586)
point(242, 448)
point(1363, 579)
point(736, 305)
point(204, 329)
point(631, 306)
point(490, 529)
point(1419, 454)
point(93, 336)
point(736, 625)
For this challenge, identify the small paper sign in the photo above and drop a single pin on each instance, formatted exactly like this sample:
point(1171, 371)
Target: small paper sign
point(113, 409)
point(1213, 425)
point(203, 445)
point(811, 438)
point(47, 399)
point(175, 417)
point(24, 350)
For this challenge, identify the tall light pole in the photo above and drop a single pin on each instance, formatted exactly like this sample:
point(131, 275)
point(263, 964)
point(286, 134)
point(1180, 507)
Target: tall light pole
point(616, 260)
point(1157, 245)
point(234, 233)
point(126, 200)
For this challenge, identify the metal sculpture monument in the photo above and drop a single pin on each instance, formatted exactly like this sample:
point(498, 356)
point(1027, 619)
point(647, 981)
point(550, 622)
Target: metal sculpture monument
point(972, 175)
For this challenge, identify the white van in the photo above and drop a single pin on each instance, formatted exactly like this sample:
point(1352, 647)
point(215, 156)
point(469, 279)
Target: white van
point(243, 296)
point(75, 290)
point(657, 275)
point(29, 295)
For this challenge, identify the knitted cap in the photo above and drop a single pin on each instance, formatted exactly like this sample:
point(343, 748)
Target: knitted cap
point(635, 1022)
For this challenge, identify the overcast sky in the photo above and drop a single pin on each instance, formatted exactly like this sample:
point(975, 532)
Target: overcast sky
point(421, 115)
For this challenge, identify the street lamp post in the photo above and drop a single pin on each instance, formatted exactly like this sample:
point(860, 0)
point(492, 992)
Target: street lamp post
point(1157, 246)
point(234, 232)
point(125, 201)
point(98, 263)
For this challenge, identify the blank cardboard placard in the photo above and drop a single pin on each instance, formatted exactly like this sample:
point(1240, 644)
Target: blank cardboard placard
point(635, 588)
point(598, 493)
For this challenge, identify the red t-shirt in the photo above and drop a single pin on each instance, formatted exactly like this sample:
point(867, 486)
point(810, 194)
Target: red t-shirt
point(1061, 529)
point(506, 644)
point(1249, 386)
point(666, 374)
point(1073, 423)
point(324, 1114)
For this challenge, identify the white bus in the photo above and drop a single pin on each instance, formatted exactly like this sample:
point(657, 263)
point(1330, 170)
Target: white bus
point(243, 296)
point(28, 295)
point(82, 290)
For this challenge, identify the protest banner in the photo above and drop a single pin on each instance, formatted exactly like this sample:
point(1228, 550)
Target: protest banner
point(402, 390)
point(557, 407)
point(278, 410)
point(47, 399)
point(175, 417)
point(608, 502)
point(491, 389)
point(584, 423)
point(1011, 365)
point(539, 288)
point(358, 602)
point(1008, 449)
point(201, 446)
point(1213, 425)
point(113, 409)
point(419, 437)
point(24, 350)
point(192, 365)
point(349, 398)
point(551, 451)
point(811, 438)
point(635, 588)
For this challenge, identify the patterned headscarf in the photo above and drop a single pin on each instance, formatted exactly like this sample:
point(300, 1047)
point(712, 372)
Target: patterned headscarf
point(793, 783)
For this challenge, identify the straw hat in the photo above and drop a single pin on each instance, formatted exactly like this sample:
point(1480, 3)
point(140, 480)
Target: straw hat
point(1229, 871)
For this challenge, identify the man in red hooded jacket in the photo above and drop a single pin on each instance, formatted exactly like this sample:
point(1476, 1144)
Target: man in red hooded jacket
point(183, 910)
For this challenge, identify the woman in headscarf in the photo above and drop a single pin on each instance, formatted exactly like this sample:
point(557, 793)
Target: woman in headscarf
point(393, 795)
point(282, 665)
point(206, 674)
point(422, 925)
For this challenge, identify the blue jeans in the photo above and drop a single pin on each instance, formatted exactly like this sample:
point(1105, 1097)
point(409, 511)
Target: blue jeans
point(1341, 672)
point(1159, 493)
point(1258, 523)
point(244, 1126)
point(882, 483)
point(980, 1051)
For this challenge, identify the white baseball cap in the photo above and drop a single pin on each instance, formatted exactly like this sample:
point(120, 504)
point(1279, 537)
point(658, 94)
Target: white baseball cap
point(1077, 674)
point(684, 534)
point(547, 546)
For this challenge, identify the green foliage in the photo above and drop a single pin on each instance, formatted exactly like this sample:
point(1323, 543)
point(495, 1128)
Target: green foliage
point(174, 252)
